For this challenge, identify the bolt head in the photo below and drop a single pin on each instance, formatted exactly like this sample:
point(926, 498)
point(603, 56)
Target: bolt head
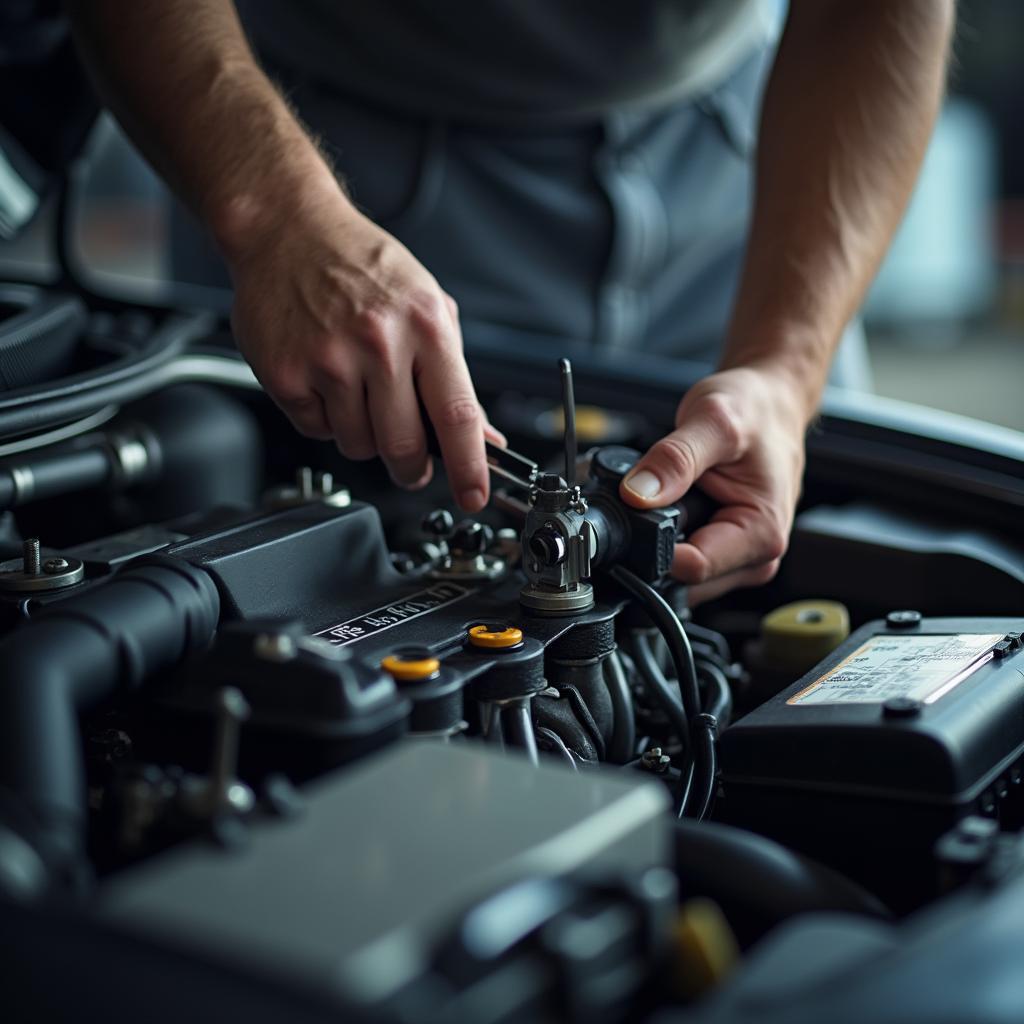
point(439, 523)
point(52, 566)
point(904, 619)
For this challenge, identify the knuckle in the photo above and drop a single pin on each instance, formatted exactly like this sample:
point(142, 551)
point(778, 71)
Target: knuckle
point(309, 424)
point(356, 449)
point(289, 391)
point(427, 307)
point(677, 454)
point(775, 543)
point(721, 415)
point(767, 572)
point(372, 324)
point(398, 449)
point(459, 413)
point(332, 363)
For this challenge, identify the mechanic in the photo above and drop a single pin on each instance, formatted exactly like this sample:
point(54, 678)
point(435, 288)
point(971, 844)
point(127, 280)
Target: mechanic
point(577, 171)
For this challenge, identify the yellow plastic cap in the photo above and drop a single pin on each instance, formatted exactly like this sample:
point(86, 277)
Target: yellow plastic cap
point(484, 636)
point(410, 670)
point(797, 636)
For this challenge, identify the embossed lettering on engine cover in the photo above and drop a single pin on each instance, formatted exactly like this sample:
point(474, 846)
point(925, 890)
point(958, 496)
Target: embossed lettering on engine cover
point(380, 619)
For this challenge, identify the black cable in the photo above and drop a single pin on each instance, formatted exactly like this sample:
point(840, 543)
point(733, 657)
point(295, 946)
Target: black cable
point(518, 730)
point(622, 745)
point(671, 629)
point(558, 743)
point(717, 692)
point(705, 783)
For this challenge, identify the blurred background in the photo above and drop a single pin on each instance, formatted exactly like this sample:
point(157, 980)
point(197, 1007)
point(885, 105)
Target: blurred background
point(945, 317)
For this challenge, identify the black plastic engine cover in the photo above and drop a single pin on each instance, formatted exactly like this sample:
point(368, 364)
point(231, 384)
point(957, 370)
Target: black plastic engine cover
point(309, 563)
point(871, 756)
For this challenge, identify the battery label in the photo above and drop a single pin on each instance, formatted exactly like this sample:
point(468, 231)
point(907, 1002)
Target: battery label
point(923, 668)
point(380, 619)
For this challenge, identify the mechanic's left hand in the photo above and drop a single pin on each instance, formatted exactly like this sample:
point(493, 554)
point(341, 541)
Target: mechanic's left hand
point(739, 437)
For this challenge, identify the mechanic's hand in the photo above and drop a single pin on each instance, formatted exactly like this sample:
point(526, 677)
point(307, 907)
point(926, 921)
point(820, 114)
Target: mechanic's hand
point(344, 328)
point(740, 438)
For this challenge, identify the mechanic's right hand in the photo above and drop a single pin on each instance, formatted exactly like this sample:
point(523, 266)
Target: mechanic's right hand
point(344, 328)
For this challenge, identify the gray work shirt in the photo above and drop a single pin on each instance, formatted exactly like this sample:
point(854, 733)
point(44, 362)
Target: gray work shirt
point(574, 172)
point(512, 59)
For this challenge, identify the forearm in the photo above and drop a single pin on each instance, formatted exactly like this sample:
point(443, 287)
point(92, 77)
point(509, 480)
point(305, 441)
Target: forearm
point(182, 80)
point(846, 119)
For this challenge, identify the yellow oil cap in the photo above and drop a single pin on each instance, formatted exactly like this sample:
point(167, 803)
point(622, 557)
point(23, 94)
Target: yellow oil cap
point(798, 635)
point(495, 639)
point(410, 669)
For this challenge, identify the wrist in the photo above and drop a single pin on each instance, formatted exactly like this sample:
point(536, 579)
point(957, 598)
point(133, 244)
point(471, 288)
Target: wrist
point(794, 361)
point(257, 212)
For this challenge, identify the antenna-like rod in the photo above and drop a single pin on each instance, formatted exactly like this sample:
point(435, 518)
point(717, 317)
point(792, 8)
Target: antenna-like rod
point(569, 412)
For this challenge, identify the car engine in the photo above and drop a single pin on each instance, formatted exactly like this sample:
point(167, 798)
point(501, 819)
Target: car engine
point(278, 738)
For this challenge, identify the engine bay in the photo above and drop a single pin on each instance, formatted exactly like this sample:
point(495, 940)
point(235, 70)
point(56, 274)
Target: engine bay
point(281, 736)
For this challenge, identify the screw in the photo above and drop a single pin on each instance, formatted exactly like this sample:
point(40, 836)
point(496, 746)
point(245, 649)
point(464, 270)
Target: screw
point(323, 483)
point(52, 566)
point(30, 556)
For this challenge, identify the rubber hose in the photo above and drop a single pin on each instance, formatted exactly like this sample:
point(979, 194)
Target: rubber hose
point(757, 882)
point(81, 651)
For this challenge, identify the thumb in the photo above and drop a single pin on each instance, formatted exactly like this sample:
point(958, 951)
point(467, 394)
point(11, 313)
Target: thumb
point(708, 437)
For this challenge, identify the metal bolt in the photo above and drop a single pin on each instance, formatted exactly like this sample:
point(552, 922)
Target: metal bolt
point(905, 619)
point(52, 566)
point(224, 791)
point(323, 483)
point(439, 523)
point(30, 556)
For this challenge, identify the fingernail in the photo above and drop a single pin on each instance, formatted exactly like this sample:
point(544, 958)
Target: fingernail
point(472, 500)
point(643, 484)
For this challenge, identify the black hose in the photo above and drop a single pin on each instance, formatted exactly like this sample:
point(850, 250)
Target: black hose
point(558, 743)
point(659, 688)
point(518, 730)
point(672, 631)
point(622, 744)
point(36, 408)
point(79, 652)
point(757, 882)
point(708, 637)
point(717, 692)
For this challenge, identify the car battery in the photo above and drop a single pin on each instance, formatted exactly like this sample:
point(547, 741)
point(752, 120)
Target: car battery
point(907, 727)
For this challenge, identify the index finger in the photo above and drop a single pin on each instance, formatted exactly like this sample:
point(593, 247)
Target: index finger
point(447, 392)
